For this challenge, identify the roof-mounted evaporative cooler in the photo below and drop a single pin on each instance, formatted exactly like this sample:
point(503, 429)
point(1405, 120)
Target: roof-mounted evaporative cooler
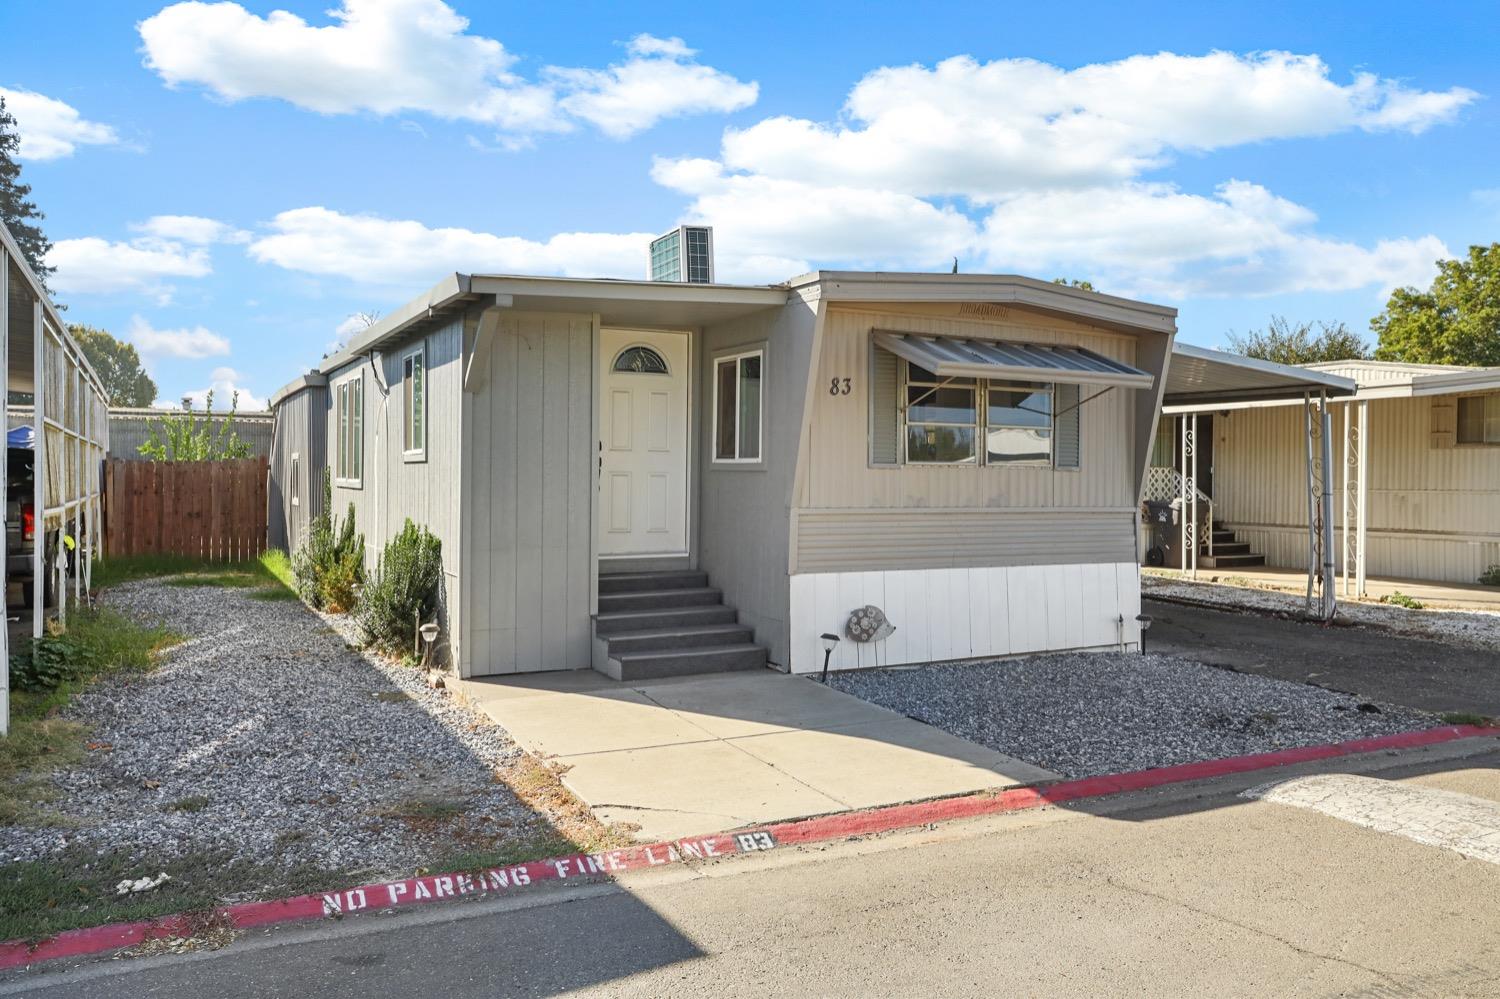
point(951, 357)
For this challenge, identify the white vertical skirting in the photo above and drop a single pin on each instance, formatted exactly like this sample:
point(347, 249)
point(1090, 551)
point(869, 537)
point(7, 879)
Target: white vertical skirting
point(943, 614)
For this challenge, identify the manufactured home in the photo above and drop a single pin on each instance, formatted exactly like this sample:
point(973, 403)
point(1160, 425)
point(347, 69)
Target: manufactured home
point(651, 478)
point(1415, 472)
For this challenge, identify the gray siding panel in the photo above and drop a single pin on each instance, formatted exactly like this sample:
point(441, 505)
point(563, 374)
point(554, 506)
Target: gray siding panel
point(300, 428)
point(529, 491)
point(395, 488)
point(859, 540)
point(745, 511)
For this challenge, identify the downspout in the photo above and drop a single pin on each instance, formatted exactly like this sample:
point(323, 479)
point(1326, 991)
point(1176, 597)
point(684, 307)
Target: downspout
point(377, 479)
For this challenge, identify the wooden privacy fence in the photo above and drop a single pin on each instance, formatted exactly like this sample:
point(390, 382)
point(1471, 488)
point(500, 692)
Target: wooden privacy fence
point(213, 510)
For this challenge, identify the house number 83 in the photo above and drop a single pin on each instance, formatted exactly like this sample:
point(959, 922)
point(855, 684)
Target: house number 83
point(839, 386)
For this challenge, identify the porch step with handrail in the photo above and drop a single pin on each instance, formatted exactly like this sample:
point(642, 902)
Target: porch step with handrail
point(669, 623)
point(1229, 552)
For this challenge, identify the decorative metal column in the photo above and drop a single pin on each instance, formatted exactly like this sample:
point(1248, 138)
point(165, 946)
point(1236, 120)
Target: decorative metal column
point(1188, 493)
point(1356, 493)
point(1318, 423)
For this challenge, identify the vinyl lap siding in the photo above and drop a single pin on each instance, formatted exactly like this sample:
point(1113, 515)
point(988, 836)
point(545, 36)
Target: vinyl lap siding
point(838, 471)
point(1431, 511)
point(857, 540)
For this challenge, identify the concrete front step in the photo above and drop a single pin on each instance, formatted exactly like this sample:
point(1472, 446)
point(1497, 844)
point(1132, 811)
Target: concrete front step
point(685, 662)
point(1227, 548)
point(668, 579)
point(1230, 561)
point(633, 600)
point(692, 636)
point(607, 625)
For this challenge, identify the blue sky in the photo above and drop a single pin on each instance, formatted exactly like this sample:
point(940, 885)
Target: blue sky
point(227, 185)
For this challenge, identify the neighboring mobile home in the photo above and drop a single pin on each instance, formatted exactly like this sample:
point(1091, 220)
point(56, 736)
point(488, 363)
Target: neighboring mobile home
point(1417, 457)
point(655, 477)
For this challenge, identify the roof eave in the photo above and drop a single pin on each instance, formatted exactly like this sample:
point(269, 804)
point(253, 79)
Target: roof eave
point(444, 293)
point(1014, 289)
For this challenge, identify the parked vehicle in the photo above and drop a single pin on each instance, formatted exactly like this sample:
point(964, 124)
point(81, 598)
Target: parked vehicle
point(20, 515)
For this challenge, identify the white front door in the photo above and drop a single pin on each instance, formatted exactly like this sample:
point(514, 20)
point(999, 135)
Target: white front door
point(643, 468)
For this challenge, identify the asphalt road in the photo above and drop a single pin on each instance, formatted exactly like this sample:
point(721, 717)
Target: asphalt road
point(1366, 662)
point(1184, 891)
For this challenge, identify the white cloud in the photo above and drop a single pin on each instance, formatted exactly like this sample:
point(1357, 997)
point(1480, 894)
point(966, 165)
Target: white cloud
point(193, 344)
point(398, 56)
point(50, 129)
point(1156, 239)
point(224, 383)
point(192, 229)
point(979, 130)
point(406, 253)
point(657, 82)
point(1020, 165)
point(768, 229)
point(94, 266)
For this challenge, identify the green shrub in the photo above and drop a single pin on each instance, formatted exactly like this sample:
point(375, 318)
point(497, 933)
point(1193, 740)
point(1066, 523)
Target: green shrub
point(1402, 600)
point(329, 566)
point(403, 589)
point(48, 662)
point(1490, 576)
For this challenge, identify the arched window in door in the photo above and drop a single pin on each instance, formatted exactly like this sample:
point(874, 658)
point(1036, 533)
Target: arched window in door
point(640, 361)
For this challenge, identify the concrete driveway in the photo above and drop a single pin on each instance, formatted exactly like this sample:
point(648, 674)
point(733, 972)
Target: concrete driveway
point(688, 755)
point(1368, 663)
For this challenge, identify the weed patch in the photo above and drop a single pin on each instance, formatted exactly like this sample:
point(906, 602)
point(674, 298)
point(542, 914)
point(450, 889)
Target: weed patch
point(1400, 599)
point(99, 642)
point(1466, 718)
point(192, 803)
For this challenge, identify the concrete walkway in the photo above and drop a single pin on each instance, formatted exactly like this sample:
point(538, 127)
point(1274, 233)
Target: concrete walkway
point(690, 755)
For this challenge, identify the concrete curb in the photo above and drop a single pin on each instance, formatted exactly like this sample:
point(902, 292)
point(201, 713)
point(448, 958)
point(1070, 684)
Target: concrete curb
point(435, 887)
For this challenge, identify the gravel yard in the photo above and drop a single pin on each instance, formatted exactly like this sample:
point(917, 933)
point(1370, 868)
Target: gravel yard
point(1086, 714)
point(264, 736)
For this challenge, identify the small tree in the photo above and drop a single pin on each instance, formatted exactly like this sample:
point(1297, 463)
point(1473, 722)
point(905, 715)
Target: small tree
point(403, 589)
point(20, 214)
point(118, 365)
point(184, 437)
point(1455, 321)
point(1285, 343)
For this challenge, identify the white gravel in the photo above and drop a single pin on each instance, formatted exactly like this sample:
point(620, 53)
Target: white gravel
point(1086, 714)
point(292, 744)
point(1474, 628)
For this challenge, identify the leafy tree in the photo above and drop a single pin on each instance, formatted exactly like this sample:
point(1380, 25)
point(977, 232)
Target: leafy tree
point(1286, 343)
point(1075, 283)
point(184, 437)
point(19, 214)
point(1455, 321)
point(119, 366)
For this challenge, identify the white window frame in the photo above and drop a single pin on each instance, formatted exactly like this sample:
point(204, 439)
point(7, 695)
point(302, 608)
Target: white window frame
point(1017, 386)
point(295, 479)
point(737, 357)
point(418, 453)
point(981, 425)
point(349, 444)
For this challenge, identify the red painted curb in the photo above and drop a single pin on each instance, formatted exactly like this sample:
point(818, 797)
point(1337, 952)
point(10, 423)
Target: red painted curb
point(434, 887)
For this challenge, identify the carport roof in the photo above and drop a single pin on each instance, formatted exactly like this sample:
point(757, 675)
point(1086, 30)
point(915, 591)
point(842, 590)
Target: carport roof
point(1199, 378)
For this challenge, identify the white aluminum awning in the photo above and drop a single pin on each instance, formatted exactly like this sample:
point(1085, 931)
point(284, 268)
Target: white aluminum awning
point(951, 357)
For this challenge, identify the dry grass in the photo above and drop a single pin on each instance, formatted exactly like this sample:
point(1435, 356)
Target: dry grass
point(539, 786)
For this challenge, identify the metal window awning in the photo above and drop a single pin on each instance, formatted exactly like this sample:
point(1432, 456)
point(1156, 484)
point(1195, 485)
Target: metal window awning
point(950, 357)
